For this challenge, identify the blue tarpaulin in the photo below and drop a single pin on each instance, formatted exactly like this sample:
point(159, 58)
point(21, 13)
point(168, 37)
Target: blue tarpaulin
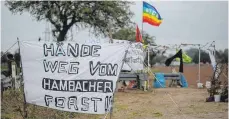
point(183, 81)
point(160, 77)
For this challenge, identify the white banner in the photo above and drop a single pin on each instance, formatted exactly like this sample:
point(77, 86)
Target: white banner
point(212, 58)
point(135, 56)
point(71, 77)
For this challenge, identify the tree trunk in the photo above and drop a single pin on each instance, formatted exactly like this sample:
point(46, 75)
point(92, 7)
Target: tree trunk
point(138, 82)
point(62, 34)
point(110, 35)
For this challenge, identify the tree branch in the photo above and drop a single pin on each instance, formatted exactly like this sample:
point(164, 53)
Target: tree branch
point(54, 23)
point(73, 21)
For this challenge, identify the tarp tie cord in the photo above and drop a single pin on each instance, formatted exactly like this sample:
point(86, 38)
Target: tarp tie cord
point(225, 76)
point(9, 49)
point(205, 45)
point(107, 112)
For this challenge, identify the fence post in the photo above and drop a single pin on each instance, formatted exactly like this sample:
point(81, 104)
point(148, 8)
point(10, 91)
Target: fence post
point(23, 90)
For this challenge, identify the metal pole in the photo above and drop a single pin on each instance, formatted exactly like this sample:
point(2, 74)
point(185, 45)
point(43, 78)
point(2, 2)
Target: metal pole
point(148, 59)
point(199, 64)
point(147, 85)
point(142, 21)
point(148, 67)
point(199, 60)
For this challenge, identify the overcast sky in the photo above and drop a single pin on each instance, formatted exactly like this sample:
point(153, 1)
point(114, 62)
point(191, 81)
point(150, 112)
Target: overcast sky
point(183, 22)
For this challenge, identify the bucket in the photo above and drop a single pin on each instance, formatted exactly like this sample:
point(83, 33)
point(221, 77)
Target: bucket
point(208, 84)
point(217, 98)
point(200, 85)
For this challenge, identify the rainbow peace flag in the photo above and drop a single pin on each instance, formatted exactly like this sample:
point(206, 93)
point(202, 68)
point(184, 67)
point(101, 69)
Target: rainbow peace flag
point(151, 15)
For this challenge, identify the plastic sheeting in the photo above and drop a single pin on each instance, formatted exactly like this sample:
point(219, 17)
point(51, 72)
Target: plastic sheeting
point(160, 77)
point(161, 81)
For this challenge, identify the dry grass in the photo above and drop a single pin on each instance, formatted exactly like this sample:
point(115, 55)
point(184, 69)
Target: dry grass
point(132, 104)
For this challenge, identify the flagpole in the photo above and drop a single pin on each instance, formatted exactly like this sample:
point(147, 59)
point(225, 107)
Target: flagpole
point(142, 20)
point(199, 64)
point(147, 48)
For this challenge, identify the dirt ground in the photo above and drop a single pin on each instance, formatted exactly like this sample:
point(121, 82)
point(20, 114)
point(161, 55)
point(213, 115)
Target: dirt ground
point(158, 104)
point(137, 104)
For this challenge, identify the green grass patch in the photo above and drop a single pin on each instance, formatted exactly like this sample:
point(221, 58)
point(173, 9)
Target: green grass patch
point(155, 70)
point(4, 67)
point(122, 107)
point(157, 114)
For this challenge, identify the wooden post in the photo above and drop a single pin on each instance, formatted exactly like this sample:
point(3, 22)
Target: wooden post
point(1, 92)
point(13, 74)
point(110, 35)
point(138, 82)
point(24, 104)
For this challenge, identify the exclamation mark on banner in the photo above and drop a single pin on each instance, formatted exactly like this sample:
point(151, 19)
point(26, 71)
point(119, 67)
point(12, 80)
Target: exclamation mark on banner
point(108, 100)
